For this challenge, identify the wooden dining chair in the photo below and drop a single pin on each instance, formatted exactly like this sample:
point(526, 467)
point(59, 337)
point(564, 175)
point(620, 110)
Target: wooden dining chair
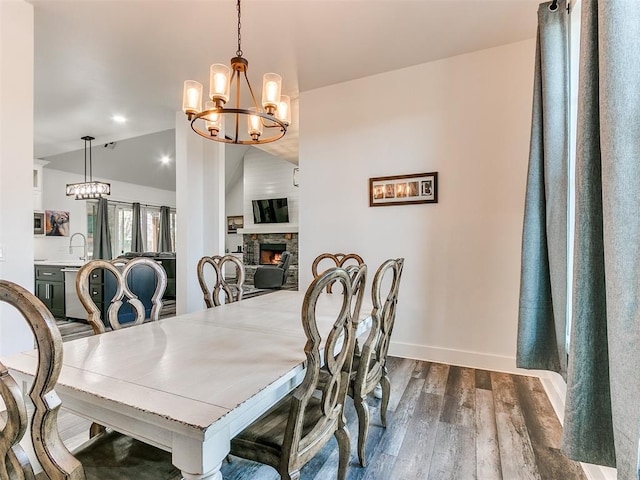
point(211, 289)
point(122, 271)
point(334, 260)
point(108, 457)
point(370, 363)
point(297, 427)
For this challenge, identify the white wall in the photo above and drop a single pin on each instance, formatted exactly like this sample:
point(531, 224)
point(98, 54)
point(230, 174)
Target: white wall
point(16, 163)
point(234, 204)
point(54, 198)
point(466, 117)
point(267, 176)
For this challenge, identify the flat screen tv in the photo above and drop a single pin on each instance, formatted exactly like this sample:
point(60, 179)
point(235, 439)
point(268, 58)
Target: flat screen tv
point(271, 210)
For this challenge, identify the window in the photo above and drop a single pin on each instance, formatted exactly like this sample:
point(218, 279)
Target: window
point(122, 234)
point(151, 233)
point(121, 226)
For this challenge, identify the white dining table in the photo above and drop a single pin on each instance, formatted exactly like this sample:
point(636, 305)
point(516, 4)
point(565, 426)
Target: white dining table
point(190, 383)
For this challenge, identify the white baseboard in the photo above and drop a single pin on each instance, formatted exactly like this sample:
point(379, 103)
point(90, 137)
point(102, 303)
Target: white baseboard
point(462, 358)
point(553, 383)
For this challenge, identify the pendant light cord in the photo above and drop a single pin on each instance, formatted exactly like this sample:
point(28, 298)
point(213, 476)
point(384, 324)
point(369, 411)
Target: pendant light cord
point(85, 161)
point(239, 51)
point(90, 164)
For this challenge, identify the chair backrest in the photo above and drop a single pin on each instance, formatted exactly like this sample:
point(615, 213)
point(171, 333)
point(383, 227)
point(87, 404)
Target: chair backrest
point(374, 350)
point(337, 355)
point(57, 462)
point(121, 269)
point(337, 260)
point(285, 261)
point(358, 275)
point(211, 291)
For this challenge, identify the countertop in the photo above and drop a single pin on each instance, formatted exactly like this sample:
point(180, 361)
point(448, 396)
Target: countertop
point(60, 263)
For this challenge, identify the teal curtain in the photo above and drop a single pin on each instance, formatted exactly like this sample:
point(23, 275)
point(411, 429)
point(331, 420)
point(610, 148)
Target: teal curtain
point(136, 230)
point(102, 236)
point(602, 412)
point(542, 308)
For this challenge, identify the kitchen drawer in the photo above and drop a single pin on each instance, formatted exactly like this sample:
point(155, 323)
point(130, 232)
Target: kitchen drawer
point(50, 274)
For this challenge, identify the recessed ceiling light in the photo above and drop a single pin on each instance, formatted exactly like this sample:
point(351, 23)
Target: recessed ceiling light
point(119, 119)
point(165, 159)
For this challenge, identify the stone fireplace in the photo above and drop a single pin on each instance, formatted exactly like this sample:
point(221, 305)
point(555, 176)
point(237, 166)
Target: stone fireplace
point(266, 249)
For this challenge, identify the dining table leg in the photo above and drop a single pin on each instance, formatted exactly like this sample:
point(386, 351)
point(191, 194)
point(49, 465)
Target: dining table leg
point(214, 474)
point(201, 459)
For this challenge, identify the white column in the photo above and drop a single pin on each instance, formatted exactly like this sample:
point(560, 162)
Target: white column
point(200, 194)
point(214, 197)
point(16, 163)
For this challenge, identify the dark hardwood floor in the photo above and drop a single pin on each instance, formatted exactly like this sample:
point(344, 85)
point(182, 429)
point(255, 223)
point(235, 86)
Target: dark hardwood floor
point(448, 422)
point(445, 423)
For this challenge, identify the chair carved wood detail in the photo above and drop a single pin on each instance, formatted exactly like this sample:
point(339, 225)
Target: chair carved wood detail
point(121, 270)
point(295, 429)
point(233, 291)
point(110, 455)
point(57, 462)
point(338, 259)
point(369, 365)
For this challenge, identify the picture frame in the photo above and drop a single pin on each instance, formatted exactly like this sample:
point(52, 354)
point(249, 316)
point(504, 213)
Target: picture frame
point(234, 222)
point(56, 223)
point(403, 189)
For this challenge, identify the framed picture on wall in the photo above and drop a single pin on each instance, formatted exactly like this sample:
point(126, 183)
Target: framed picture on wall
point(56, 223)
point(234, 223)
point(403, 189)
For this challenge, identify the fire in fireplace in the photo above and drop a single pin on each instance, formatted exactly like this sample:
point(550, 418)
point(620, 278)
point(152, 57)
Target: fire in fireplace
point(270, 253)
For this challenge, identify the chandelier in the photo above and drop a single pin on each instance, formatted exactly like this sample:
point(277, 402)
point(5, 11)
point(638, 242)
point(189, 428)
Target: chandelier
point(226, 124)
point(88, 189)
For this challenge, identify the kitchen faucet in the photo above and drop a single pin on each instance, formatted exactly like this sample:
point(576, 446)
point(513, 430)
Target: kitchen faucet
point(84, 245)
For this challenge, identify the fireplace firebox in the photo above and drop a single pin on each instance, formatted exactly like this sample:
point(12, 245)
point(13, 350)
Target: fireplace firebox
point(270, 253)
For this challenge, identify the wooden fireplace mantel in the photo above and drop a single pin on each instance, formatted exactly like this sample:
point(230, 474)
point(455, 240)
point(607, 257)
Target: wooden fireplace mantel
point(269, 228)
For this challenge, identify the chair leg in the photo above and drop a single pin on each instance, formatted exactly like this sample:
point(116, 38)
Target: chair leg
point(362, 409)
point(344, 451)
point(386, 393)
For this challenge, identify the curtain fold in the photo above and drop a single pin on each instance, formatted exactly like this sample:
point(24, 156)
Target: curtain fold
point(164, 240)
point(543, 289)
point(102, 236)
point(602, 412)
point(136, 230)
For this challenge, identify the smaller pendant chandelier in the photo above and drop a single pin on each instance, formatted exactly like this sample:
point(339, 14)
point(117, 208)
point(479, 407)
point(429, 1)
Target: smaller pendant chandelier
point(88, 190)
point(263, 125)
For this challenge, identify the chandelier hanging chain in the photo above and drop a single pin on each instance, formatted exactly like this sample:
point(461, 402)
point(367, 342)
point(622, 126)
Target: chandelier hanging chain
point(90, 162)
point(85, 160)
point(239, 51)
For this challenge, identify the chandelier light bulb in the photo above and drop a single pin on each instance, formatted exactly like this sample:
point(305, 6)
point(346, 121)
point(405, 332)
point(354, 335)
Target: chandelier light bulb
point(219, 76)
point(284, 109)
point(271, 86)
point(255, 125)
point(192, 98)
point(213, 120)
point(220, 82)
